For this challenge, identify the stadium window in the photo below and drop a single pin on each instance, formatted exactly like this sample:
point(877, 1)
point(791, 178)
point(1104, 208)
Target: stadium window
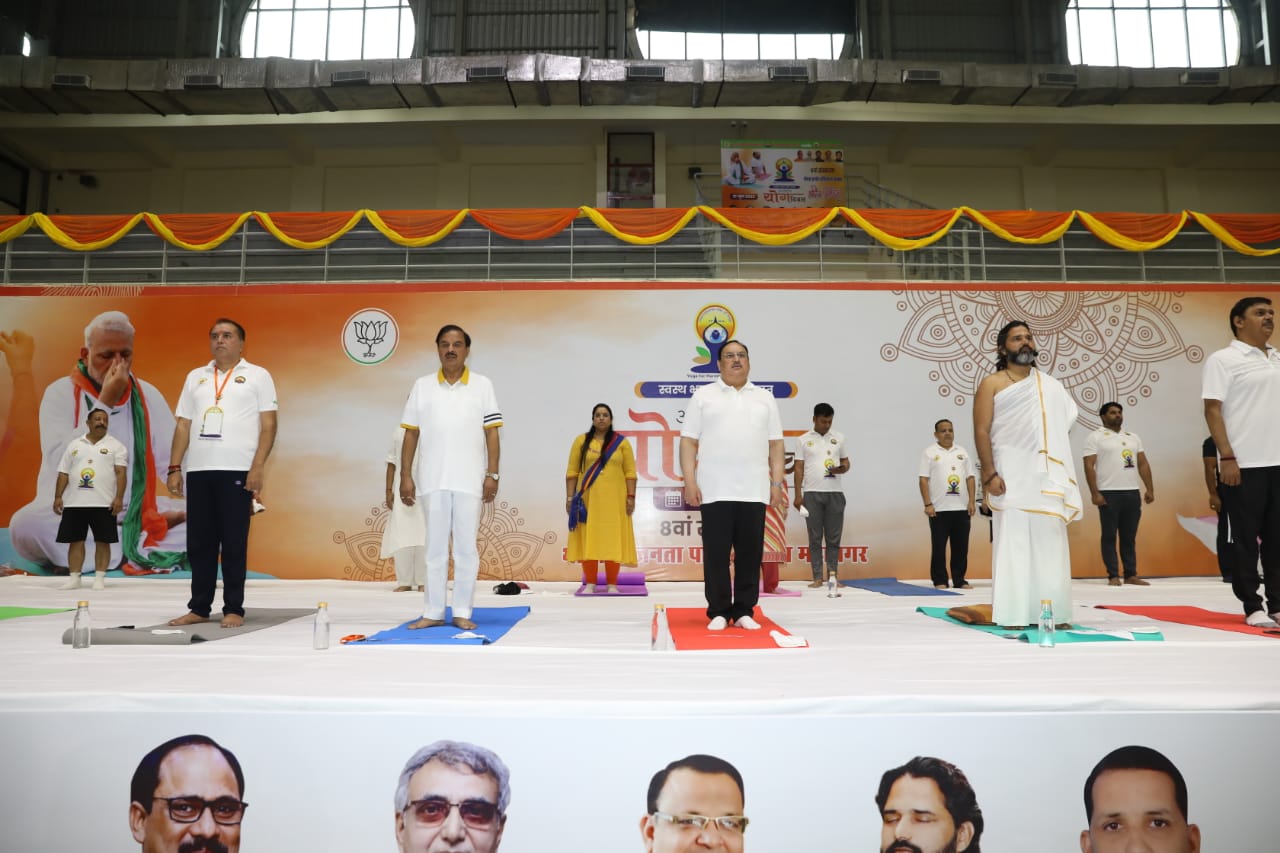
point(1153, 33)
point(657, 44)
point(328, 29)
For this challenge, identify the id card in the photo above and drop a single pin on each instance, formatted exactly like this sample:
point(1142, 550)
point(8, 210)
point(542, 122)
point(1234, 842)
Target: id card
point(211, 423)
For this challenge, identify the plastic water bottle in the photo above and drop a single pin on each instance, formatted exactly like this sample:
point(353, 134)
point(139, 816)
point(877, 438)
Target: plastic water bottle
point(660, 633)
point(81, 627)
point(320, 638)
point(833, 585)
point(1047, 626)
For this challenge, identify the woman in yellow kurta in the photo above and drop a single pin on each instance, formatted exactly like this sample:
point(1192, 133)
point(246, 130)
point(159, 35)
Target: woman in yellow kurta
point(608, 497)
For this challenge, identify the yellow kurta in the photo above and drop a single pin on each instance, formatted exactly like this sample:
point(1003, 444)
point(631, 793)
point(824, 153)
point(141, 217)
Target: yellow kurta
point(608, 534)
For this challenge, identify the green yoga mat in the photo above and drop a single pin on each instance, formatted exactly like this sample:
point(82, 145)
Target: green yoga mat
point(7, 612)
point(1076, 634)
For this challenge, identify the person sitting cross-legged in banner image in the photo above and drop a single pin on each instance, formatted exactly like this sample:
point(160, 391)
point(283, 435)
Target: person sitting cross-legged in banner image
point(600, 497)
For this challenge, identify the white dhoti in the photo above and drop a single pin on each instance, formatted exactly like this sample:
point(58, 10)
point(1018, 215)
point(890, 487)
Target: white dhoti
point(457, 515)
point(1030, 560)
point(404, 537)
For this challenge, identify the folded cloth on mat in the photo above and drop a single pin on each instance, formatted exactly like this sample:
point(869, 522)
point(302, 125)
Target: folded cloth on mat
point(1075, 634)
point(8, 612)
point(492, 623)
point(893, 586)
point(1197, 616)
point(689, 631)
point(201, 632)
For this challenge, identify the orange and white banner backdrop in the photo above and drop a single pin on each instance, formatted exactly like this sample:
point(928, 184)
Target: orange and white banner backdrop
point(891, 363)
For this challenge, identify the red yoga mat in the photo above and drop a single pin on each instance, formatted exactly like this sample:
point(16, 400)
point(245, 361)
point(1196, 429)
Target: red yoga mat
point(1197, 616)
point(689, 631)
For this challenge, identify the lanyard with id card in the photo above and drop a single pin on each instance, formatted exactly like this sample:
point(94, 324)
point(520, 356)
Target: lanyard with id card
point(211, 423)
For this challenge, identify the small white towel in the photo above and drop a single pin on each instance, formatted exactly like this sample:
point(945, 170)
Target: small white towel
point(788, 641)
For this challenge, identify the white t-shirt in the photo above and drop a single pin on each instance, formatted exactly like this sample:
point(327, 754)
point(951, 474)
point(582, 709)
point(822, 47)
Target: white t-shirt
point(1116, 468)
point(733, 428)
point(225, 420)
point(948, 470)
point(815, 451)
point(451, 421)
point(1247, 382)
point(91, 469)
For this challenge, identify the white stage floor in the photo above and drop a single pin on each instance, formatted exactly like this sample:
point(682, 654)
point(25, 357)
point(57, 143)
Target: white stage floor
point(584, 713)
point(868, 652)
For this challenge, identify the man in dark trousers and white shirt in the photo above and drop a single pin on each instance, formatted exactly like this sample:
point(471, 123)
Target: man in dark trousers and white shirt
point(232, 405)
point(733, 463)
point(1241, 391)
point(948, 487)
point(1119, 478)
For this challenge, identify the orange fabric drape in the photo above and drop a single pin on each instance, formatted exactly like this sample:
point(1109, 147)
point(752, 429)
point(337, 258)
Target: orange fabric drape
point(526, 224)
point(906, 230)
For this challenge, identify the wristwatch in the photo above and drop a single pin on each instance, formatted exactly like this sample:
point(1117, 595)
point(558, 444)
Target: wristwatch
point(492, 476)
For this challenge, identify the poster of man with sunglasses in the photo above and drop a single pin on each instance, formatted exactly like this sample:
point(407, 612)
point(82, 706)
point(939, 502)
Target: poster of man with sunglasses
point(187, 795)
point(453, 797)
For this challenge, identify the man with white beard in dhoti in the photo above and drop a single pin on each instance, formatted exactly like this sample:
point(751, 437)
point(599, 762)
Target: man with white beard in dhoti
point(1021, 418)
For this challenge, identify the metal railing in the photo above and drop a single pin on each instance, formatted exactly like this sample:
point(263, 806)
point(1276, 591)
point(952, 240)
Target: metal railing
point(702, 250)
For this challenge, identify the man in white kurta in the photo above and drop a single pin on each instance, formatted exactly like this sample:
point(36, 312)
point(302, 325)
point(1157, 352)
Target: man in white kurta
point(453, 415)
point(1021, 422)
point(103, 379)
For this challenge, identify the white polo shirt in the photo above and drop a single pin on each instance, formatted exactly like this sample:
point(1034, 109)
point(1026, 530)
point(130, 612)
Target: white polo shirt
point(1247, 382)
point(1116, 467)
point(451, 421)
point(733, 428)
point(224, 411)
point(948, 470)
point(814, 450)
point(91, 469)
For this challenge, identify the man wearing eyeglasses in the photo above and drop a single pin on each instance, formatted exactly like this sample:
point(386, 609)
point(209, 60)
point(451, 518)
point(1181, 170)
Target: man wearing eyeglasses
point(187, 795)
point(452, 798)
point(695, 803)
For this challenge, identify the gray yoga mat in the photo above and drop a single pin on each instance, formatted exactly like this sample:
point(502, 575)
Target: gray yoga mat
point(201, 632)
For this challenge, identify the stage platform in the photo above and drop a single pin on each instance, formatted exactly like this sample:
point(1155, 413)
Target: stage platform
point(584, 713)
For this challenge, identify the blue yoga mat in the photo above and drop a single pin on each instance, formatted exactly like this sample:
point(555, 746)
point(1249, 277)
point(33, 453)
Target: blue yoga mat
point(492, 624)
point(893, 586)
point(1075, 634)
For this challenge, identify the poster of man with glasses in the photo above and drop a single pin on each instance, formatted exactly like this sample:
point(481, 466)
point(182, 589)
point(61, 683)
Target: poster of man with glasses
point(187, 795)
point(452, 796)
point(695, 803)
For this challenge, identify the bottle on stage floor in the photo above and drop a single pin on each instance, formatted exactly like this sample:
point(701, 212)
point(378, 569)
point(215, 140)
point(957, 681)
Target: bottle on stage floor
point(81, 627)
point(833, 585)
point(660, 632)
point(320, 638)
point(1047, 626)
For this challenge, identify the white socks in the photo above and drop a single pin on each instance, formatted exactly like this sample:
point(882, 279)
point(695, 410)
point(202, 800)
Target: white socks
point(100, 580)
point(73, 582)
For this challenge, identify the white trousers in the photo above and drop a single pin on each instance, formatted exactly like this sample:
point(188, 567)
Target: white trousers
point(456, 514)
point(1029, 561)
point(411, 565)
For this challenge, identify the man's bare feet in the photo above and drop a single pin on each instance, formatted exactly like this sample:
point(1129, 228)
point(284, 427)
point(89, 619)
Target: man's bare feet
point(189, 619)
point(232, 620)
point(464, 623)
point(425, 623)
point(402, 589)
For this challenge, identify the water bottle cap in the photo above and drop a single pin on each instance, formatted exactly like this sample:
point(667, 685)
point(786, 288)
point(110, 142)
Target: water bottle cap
point(82, 604)
point(323, 604)
point(1045, 601)
point(659, 607)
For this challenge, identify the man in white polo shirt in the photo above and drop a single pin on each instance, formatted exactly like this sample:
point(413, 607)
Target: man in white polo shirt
point(819, 461)
point(1113, 463)
point(732, 459)
point(948, 487)
point(453, 415)
point(232, 406)
point(96, 462)
point(1241, 391)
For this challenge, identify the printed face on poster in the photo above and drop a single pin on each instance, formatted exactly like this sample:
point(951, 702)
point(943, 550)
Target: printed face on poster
point(781, 173)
